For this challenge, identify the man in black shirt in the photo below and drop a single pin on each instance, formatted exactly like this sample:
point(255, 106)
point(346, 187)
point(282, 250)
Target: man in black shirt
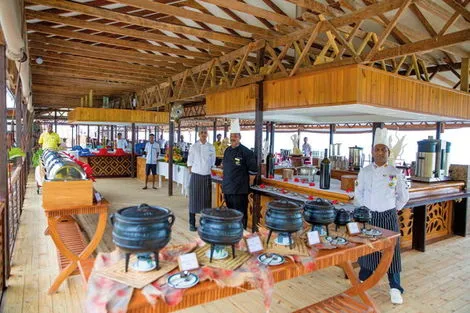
point(239, 163)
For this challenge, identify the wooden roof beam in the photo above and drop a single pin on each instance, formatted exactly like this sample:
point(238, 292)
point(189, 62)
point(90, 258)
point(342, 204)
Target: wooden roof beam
point(256, 11)
point(423, 45)
point(135, 20)
point(458, 8)
point(441, 12)
point(196, 16)
point(318, 7)
point(50, 17)
point(114, 42)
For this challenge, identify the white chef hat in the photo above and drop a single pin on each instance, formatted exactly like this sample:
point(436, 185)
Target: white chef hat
point(381, 137)
point(235, 126)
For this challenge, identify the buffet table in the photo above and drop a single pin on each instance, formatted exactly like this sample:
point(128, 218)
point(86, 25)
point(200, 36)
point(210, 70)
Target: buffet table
point(180, 173)
point(109, 165)
point(207, 291)
point(427, 217)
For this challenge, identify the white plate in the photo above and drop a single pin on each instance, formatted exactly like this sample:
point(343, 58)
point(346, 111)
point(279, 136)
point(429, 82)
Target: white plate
point(135, 267)
point(371, 232)
point(178, 282)
point(272, 259)
point(337, 241)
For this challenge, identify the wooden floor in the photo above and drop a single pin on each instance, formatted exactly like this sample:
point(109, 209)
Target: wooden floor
point(437, 281)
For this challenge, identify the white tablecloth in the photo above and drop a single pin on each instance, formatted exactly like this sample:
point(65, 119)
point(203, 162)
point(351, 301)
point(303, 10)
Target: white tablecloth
point(180, 175)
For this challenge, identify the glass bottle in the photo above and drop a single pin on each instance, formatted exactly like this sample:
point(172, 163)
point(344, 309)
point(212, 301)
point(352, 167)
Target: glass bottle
point(325, 172)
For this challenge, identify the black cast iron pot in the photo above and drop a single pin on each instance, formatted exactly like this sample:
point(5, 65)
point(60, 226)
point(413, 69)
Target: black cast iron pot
point(319, 212)
point(342, 218)
point(221, 226)
point(142, 228)
point(362, 215)
point(284, 216)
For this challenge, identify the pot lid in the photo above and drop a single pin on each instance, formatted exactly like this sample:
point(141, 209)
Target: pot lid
point(222, 213)
point(319, 203)
point(283, 205)
point(144, 211)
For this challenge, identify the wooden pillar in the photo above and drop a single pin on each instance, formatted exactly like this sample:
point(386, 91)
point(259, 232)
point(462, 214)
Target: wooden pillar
point(18, 114)
point(77, 135)
point(88, 131)
point(464, 73)
point(178, 132)
point(439, 130)
point(73, 141)
point(214, 137)
point(170, 156)
point(196, 130)
point(332, 132)
point(133, 150)
point(112, 133)
point(125, 132)
point(271, 138)
point(4, 163)
point(155, 131)
point(98, 135)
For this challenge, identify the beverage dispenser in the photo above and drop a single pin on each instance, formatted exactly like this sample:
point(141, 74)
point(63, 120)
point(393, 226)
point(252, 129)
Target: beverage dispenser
point(432, 160)
point(356, 158)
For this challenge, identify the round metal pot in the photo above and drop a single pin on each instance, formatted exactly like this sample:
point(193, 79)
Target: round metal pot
point(221, 226)
point(319, 212)
point(342, 217)
point(142, 228)
point(65, 170)
point(362, 214)
point(284, 216)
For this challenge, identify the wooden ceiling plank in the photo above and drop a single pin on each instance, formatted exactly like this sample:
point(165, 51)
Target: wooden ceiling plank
point(112, 41)
point(135, 20)
point(71, 49)
point(423, 45)
point(452, 20)
point(458, 8)
point(58, 81)
point(98, 62)
point(196, 16)
point(388, 30)
point(439, 11)
point(256, 11)
point(45, 16)
point(110, 51)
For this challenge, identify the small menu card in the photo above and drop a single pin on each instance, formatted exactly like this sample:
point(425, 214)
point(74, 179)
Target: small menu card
point(254, 244)
point(353, 228)
point(313, 237)
point(188, 262)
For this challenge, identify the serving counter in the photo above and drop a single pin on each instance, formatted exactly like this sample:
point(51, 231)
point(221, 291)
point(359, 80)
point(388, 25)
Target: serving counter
point(428, 216)
point(109, 165)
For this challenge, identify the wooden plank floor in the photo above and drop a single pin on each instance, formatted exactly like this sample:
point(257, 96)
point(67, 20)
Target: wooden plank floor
point(437, 281)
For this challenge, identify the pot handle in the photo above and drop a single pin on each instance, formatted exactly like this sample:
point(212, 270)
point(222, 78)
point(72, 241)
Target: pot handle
point(143, 206)
point(171, 219)
point(111, 219)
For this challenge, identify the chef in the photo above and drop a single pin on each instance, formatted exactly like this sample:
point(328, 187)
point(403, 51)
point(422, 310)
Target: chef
point(201, 158)
point(239, 163)
point(121, 143)
point(382, 188)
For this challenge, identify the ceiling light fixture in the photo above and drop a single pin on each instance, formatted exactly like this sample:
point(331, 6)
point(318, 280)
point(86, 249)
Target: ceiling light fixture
point(39, 60)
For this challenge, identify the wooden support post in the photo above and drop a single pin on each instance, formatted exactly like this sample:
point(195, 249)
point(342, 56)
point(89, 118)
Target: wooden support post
point(225, 128)
point(98, 135)
point(438, 130)
point(464, 72)
point(18, 114)
point(271, 138)
point(170, 156)
point(4, 163)
point(133, 171)
point(72, 141)
point(55, 121)
point(90, 98)
point(214, 135)
point(125, 132)
point(88, 132)
point(332, 132)
point(196, 130)
point(112, 133)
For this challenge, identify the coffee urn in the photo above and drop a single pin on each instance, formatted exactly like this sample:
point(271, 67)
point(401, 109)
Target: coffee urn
point(356, 158)
point(432, 160)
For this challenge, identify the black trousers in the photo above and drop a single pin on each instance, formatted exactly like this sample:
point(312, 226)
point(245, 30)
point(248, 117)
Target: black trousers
point(238, 202)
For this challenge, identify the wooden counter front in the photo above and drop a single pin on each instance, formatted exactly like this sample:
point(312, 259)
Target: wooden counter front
point(109, 165)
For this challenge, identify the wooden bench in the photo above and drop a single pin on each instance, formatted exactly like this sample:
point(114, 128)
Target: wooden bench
point(341, 303)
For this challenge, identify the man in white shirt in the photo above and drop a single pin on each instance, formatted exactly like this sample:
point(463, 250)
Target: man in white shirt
point(306, 148)
point(161, 142)
point(200, 160)
point(152, 150)
point(121, 143)
point(382, 188)
point(181, 144)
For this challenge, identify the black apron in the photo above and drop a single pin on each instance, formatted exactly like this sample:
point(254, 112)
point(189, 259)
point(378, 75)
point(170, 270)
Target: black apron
point(387, 220)
point(200, 192)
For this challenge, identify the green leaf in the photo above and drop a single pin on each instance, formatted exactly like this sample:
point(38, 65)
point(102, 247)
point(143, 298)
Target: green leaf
point(15, 152)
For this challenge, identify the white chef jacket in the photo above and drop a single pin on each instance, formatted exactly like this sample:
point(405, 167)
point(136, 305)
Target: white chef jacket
point(201, 158)
point(152, 151)
point(381, 188)
point(121, 143)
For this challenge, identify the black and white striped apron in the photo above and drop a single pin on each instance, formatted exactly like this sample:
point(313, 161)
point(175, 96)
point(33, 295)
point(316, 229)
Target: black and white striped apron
point(387, 220)
point(200, 192)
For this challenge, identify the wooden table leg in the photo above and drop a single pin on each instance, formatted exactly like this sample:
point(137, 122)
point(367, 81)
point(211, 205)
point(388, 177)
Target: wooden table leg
point(65, 251)
point(358, 288)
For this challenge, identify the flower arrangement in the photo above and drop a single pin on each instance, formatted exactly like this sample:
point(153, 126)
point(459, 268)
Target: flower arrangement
point(177, 155)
